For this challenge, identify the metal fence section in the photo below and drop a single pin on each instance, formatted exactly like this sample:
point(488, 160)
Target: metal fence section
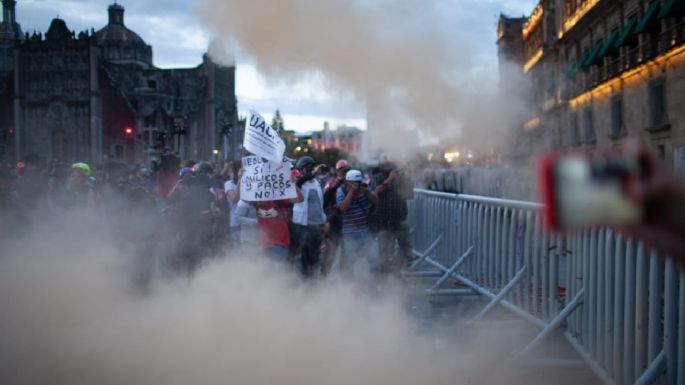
point(620, 305)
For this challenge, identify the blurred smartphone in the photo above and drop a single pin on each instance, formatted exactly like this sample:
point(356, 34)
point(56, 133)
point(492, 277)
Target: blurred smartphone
point(580, 190)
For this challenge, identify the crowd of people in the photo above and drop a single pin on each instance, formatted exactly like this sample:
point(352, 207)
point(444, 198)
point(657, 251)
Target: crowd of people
point(342, 219)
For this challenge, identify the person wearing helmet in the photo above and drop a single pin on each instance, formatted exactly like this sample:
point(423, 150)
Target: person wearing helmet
point(80, 193)
point(309, 217)
point(203, 168)
point(355, 201)
point(185, 172)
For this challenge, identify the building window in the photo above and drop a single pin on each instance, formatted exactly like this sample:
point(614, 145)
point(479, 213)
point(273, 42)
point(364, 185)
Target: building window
point(588, 126)
point(119, 151)
point(574, 135)
point(616, 116)
point(679, 160)
point(657, 103)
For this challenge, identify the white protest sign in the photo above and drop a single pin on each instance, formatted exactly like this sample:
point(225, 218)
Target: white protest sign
point(265, 181)
point(262, 140)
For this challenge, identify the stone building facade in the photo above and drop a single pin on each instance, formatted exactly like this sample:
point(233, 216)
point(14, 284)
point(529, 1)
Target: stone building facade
point(96, 95)
point(345, 138)
point(603, 70)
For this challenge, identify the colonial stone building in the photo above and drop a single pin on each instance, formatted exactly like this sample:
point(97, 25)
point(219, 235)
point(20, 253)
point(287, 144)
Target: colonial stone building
point(602, 70)
point(96, 95)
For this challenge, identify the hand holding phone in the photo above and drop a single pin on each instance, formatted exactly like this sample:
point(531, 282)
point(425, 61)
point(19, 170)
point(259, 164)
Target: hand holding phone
point(581, 190)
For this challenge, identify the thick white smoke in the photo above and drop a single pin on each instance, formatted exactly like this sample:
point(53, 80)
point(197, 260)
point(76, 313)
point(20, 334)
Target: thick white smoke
point(405, 60)
point(73, 313)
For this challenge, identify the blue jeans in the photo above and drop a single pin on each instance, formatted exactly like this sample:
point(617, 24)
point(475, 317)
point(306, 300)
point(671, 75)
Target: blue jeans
point(278, 253)
point(359, 247)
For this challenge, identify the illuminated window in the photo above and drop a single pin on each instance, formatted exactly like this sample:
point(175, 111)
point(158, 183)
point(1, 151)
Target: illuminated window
point(679, 160)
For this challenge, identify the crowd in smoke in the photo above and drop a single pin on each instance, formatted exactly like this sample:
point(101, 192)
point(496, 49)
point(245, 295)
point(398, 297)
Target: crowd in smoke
point(186, 212)
point(89, 295)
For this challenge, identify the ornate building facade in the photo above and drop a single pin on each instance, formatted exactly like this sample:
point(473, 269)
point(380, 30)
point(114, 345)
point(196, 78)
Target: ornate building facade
point(97, 95)
point(602, 70)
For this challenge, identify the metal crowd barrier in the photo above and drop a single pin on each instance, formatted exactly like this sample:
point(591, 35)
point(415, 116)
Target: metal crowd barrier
point(620, 305)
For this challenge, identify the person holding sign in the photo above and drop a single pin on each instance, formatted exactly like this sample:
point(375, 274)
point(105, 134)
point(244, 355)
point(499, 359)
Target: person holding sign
point(272, 219)
point(309, 217)
point(356, 201)
point(269, 187)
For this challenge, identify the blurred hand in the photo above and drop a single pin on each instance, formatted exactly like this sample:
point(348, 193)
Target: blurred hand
point(391, 178)
point(663, 226)
point(306, 177)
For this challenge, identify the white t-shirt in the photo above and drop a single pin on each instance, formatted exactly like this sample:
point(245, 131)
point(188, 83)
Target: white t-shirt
point(230, 186)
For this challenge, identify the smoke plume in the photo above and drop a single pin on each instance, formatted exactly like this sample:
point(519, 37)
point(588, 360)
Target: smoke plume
point(73, 312)
point(409, 63)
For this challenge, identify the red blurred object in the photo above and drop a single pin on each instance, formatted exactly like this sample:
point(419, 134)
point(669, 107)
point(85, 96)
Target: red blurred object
point(342, 165)
point(10, 130)
point(581, 189)
point(296, 173)
point(547, 192)
point(128, 131)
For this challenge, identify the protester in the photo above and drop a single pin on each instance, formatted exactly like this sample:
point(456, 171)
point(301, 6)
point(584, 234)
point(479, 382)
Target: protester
point(323, 174)
point(355, 200)
point(272, 219)
point(166, 177)
point(246, 215)
point(232, 191)
point(81, 189)
point(30, 187)
point(192, 201)
point(393, 188)
point(309, 217)
point(334, 215)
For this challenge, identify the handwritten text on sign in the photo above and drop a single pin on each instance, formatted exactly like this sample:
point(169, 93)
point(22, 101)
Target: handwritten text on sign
point(264, 181)
point(262, 140)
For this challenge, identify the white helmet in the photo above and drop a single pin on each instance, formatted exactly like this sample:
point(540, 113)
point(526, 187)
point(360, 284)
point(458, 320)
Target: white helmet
point(354, 176)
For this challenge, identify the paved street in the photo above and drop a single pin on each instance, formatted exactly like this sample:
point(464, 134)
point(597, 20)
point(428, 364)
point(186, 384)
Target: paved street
point(494, 339)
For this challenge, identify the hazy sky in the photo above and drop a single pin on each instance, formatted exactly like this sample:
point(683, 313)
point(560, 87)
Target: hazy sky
point(179, 39)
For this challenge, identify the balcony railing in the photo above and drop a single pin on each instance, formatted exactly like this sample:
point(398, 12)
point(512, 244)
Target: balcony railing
point(649, 47)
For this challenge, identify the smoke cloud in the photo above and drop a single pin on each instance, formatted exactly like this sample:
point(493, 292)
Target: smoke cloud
point(74, 312)
point(406, 60)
